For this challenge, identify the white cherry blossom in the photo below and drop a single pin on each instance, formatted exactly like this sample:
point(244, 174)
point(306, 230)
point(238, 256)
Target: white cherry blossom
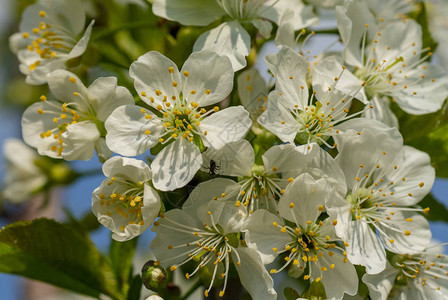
point(411, 277)
point(48, 37)
point(125, 202)
point(72, 125)
point(384, 180)
point(391, 61)
point(303, 240)
point(208, 231)
point(180, 123)
point(294, 115)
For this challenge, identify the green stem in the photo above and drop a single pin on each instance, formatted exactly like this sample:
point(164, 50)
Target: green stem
point(327, 31)
point(138, 24)
point(193, 288)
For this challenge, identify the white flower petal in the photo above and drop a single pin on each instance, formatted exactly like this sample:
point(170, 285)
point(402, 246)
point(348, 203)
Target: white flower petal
point(325, 72)
point(419, 234)
point(288, 160)
point(364, 247)
point(367, 148)
point(206, 191)
point(234, 159)
point(153, 79)
point(191, 12)
point(286, 32)
point(252, 91)
point(264, 27)
point(253, 275)
point(79, 141)
point(176, 165)
point(430, 92)
point(303, 15)
point(225, 126)
point(70, 14)
point(415, 168)
point(289, 69)
point(105, 95)
point(209, 75)
point(126, 128)
point(263, 236)
point(166, 236)
point(307, 195)
point(351, 24)
point(134, 169)
point(381, 111)
point(278, 120)
point(81, 46)
point(381, 284)
point(64, 84)
point(229, 39)
point(390, 47)
point(339, 279)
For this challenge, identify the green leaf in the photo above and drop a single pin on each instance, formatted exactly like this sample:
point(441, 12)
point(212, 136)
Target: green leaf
point(121, 255)
point(437, 212)
point(428, 133)
point(290, 293)
point(55, 253)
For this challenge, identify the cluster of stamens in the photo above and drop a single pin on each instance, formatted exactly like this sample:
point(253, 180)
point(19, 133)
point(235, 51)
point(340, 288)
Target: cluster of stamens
point(425, 270)
point(126, 199)
point(373, 199)
point(46, 42)
point(261, 190)
point(308, 246)
point(210, 246)
point(387, 76)
point(315, 121)
point(65, 114)
point(179, 116)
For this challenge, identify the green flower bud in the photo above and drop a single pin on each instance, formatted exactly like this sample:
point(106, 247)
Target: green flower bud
point(154, 277)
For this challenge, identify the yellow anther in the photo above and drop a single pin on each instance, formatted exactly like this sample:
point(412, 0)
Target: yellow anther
point(173, 268)
point(407, 232)
point(174, 83)
point(216, 108)
point(291, 205)
point(274, 169)
point(335, 222)
point(207, 92)
point(72, 79)
point(321, 207)
point(148, 132)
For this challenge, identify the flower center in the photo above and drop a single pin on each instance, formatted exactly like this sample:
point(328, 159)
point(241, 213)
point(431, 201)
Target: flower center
point(307, 246)
point(48, 41)
point(126, 199)
point(425, 270)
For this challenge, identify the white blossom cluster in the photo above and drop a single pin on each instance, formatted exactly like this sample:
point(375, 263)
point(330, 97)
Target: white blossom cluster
point(337, 189)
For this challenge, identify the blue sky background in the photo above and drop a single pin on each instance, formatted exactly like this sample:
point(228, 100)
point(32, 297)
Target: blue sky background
point(77, 198)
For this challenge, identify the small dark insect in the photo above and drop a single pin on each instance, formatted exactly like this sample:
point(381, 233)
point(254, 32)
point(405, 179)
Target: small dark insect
point(213, 168)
